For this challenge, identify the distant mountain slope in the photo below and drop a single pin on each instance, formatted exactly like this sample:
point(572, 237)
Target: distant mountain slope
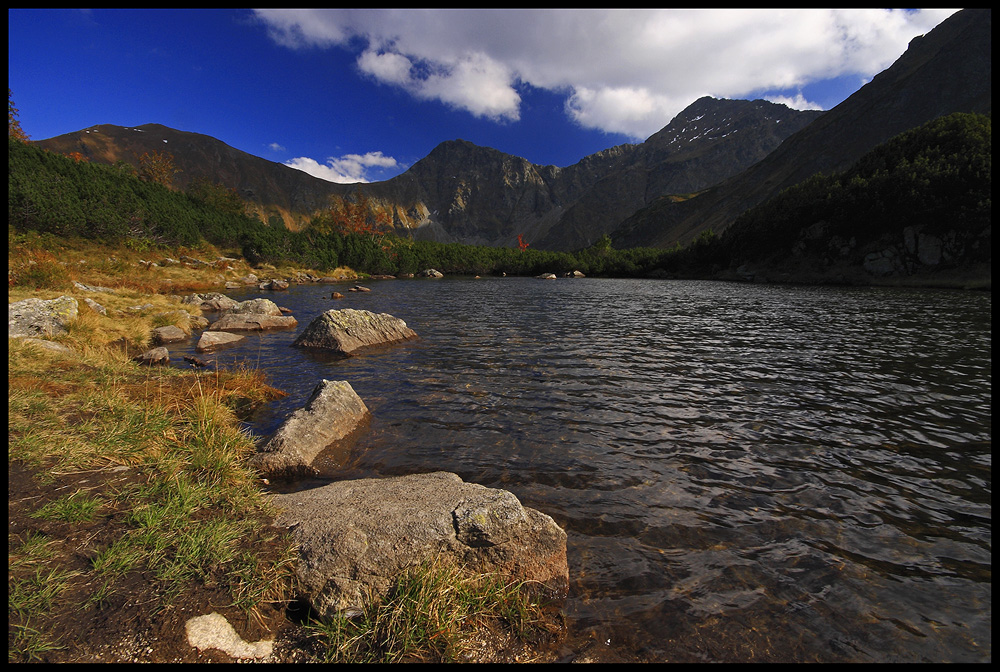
point(462, 192)
point(465, 193)
point(948, 70)
point(706, 143)
point(276, 189)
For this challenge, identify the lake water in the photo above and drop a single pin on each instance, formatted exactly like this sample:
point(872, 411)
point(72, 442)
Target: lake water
point(745, 472)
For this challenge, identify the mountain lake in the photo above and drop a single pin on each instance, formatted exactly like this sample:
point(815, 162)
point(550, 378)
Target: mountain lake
point(746, 473)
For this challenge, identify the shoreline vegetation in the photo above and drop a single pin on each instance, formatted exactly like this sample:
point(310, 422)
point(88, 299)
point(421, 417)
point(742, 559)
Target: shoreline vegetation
point(132, 508)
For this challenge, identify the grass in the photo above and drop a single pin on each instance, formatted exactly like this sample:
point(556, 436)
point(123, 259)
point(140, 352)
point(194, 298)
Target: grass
point(437, 612)
point(189, 510)
point(139, 492)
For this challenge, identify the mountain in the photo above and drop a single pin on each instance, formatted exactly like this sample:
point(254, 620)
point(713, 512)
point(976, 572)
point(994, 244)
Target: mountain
point(273, 189)
point(711, 163)
point(706, 143)
point(465, 193)
point(948, 70)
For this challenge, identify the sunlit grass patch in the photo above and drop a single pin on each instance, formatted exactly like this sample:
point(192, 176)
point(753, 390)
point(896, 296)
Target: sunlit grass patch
point(172, 496)
point(436, 612)
point(76, 507)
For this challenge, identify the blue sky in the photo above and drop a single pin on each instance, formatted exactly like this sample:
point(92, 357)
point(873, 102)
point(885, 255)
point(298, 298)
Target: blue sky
point(361, 95)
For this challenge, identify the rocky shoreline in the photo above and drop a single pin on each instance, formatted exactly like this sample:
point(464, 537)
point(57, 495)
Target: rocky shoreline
point(354, 538)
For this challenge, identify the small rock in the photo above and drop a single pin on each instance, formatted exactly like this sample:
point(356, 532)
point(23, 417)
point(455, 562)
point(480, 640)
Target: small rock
point(153, 357)
point(213, 631)
point(211, 340)
point(169, 334)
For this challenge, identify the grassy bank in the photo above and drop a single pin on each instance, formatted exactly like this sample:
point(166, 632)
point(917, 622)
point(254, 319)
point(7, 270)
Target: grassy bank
point(131, 508)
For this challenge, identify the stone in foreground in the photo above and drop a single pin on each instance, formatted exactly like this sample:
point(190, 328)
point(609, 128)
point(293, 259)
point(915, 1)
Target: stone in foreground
point(333, 412)
point(358, 537)
point(348, 331)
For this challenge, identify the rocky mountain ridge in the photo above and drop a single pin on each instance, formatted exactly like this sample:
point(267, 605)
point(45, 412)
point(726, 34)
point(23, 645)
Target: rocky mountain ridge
point(948, 70)
point(461, 192)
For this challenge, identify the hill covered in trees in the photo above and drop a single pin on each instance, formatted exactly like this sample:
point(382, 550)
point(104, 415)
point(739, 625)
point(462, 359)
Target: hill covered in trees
point(918, 204)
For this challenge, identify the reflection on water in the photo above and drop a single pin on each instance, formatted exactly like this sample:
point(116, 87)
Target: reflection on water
point(745, 473)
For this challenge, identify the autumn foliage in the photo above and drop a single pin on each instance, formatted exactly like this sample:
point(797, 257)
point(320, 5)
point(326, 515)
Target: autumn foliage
point(522, 244)
point(358, 216)
point(157, 167)
point(14, 130)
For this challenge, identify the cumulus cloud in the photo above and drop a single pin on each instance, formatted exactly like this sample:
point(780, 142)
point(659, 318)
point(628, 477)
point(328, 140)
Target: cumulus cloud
point(796, 102)
point(346, 169)
point(624, 71)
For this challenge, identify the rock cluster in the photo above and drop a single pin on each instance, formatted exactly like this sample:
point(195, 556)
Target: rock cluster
point(253, 315)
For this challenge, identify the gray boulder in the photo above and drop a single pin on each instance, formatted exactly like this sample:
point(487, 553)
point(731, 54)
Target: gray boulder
point(357, 537)
point(40, 318)
point(332, 413)
point(210, 301)
point(169, 334)
point(95, 306)
point(252, 322)
point(348, 331)
point(153, 357)
point(255, 307)
point(93, 288)
point(210, 340)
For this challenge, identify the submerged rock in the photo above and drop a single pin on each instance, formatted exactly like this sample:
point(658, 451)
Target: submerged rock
point(347, 331)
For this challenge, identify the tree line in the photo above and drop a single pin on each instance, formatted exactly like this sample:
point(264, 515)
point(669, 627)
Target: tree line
point(936, 178)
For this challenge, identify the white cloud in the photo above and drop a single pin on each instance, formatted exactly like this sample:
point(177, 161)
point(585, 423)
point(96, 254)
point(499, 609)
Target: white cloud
point(472, 82)
point(628, 71)
point(346, 169)
point(797, 102)
point(275, 147)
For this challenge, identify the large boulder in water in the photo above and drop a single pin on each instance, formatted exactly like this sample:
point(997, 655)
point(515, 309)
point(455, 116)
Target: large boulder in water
point(210, 340)
point(348, 331)
point(255, 307)
point(332, 413)
point(356, 538)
